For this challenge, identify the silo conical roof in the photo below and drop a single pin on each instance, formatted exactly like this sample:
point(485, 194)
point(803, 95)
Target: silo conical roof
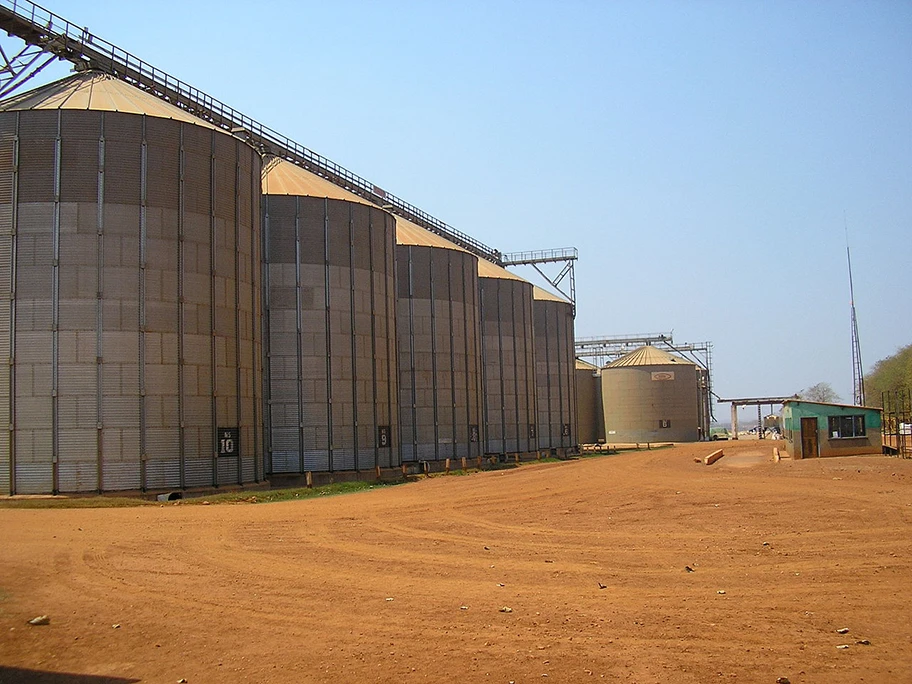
point(281, 177)
point(585, 365)
point(95, 91)
point(543, 295)
point(408, 233)
point(488, 269)
point(649, 356)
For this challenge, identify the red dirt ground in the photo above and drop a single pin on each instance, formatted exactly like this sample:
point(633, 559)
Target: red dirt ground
point(408, 583)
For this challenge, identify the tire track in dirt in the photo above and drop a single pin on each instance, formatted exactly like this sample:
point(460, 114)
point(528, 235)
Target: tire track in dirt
point(297, 592)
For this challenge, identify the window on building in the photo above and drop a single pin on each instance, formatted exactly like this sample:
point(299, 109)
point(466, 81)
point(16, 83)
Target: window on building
point(846, 426)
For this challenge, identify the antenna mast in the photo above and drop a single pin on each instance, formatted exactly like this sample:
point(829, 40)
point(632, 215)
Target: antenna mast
point(858, 392)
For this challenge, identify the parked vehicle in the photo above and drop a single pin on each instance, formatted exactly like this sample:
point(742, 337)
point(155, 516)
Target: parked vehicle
point(718, 433)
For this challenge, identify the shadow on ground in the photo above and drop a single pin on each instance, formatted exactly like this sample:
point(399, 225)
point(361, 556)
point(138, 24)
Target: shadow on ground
point(17, 675)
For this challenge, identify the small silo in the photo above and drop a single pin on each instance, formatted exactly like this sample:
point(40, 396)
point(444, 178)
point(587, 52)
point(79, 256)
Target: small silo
point(650, 395)
point(439, 347)
point(508, 362)
point(557, 427)
point(591, 420)
point(130, 264)
point(330, 326)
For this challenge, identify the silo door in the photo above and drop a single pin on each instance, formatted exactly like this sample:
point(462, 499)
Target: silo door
point(809, 438)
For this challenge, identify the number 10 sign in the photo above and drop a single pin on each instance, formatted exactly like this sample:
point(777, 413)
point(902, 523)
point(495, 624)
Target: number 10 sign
point(229, 441)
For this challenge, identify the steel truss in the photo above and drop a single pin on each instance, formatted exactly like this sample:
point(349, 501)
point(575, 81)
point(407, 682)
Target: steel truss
point(566, 256)
point(17, 68)
point(759, 402)
point(858, 388)
point(897, 422)
point(606, 349)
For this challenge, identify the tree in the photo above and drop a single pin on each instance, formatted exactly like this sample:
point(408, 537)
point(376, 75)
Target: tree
point(822, 392)
point(891, 374)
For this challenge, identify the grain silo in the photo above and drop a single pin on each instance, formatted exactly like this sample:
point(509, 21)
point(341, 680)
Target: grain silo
point(130, 261)
point(330, 326)
point(650, 395)
point(589, 413)
point(508, 362)
point(557, 427)
point(439, 347)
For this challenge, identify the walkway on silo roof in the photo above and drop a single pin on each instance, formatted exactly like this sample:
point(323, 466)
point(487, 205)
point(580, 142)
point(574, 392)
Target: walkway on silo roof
point(52, 33)
point(281, 177)
point(96, 91)
point(649, 356)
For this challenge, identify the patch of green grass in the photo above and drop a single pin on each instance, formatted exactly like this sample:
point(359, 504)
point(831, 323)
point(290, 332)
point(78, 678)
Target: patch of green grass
point(243, 496)
point(235, 497)
point(76, 502)
point(295, 494)
point(600, 452)
point(455, 471)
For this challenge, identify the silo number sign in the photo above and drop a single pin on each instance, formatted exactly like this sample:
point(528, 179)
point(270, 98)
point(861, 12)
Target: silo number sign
point(229, 441)
point(473, 433)
point(383, 435)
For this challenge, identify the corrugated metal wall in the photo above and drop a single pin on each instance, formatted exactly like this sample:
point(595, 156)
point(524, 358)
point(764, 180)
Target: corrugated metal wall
point(439, 353)
point(555, 379)
point(131, 247)
point(655, 403)
point(590, 418)
point(704, 409)
point(8, 161)
point(508, 365)
point(330, 335)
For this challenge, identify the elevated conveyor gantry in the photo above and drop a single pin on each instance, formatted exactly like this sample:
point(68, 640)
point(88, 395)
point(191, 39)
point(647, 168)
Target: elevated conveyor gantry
point(48, 35)
point(566, 256)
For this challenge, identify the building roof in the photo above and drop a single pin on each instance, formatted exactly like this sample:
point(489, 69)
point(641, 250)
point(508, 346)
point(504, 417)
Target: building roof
point(827, 403)
point(94, 91)
point(649, 356)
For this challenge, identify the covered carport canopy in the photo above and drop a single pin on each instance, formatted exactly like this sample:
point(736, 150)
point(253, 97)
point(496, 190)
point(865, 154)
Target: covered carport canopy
point(753, 401)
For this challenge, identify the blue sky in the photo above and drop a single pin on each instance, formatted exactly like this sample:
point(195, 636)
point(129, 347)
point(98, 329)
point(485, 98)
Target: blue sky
point(704, 157)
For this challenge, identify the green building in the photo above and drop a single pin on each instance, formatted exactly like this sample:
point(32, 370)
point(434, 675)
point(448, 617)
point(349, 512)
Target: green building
point(813, 429)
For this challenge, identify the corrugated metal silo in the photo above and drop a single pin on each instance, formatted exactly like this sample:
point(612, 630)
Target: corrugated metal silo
point(330, 326)
point(439, 349)
point(130, 258)
point(555, 374)
point(508, 361)
point(591, 419)
point(650, 395)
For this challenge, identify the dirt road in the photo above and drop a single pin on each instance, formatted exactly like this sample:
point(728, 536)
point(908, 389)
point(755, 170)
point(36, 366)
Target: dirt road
point(642, 567)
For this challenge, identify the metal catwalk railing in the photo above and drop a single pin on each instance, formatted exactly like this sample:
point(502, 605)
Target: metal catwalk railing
point(617, 344)
point(54, 34)
point(541, 256)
